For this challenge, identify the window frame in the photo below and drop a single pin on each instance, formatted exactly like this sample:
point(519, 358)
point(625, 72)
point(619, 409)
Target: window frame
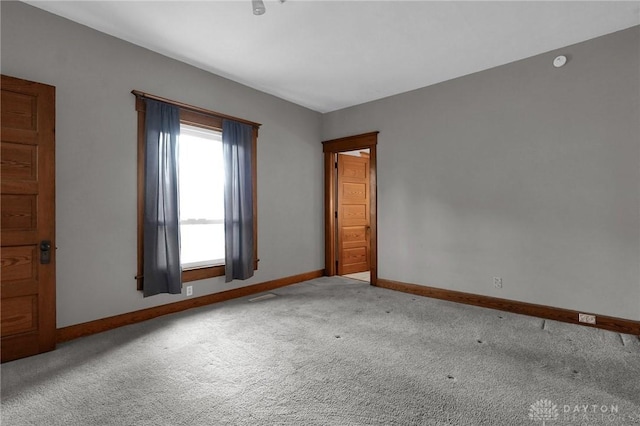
point(198, 117)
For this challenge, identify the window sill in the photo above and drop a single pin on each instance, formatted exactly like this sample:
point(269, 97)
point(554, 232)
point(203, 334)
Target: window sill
point(202, 273)
point(210, 272)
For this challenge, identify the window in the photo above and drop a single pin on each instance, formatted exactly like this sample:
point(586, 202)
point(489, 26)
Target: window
point(201, 186)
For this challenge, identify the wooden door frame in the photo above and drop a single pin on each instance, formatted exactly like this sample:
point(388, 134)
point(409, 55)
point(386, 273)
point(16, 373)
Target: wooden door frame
point(330, 149)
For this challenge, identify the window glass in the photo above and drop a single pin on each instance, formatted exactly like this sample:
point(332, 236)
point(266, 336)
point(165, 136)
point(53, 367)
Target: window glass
point(201, 186)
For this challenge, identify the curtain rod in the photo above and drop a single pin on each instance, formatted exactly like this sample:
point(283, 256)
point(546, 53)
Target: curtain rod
point(204, 111)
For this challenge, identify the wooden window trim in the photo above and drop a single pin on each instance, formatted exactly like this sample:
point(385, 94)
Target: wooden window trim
point(199, 117)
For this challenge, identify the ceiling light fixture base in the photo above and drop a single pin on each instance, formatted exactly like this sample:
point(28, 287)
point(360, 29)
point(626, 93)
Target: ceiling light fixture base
point(559, 61)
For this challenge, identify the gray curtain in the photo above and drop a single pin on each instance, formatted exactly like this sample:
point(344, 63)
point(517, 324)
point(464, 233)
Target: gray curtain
point(237, 141)
point(162, 272)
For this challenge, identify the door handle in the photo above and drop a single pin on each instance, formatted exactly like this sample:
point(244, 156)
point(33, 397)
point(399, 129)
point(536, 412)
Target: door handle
point(45, 252)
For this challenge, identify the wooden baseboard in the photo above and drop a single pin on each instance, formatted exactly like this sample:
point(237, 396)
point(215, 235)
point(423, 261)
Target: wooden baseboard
point(92, 327)
point(558, 314)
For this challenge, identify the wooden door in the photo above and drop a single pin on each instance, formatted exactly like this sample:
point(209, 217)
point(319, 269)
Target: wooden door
point(28, 318)
point(353, 214)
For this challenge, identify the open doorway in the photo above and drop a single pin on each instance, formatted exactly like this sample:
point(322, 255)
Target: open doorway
point(350, 207)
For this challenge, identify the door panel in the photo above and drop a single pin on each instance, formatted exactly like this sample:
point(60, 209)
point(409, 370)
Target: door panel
point(353, 214)
point(354, 234)
point(20, 162)
point(19, 212)
point(27, 321)
point(19, 315)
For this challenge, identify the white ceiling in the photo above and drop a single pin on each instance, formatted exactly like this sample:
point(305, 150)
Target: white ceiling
point(328, 55)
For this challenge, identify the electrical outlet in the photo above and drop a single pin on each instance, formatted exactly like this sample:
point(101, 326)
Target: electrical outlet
point(587, 318)
point(497, 282)
point(189, 290)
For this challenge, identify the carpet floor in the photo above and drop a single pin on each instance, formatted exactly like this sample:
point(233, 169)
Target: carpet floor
point(332, 351)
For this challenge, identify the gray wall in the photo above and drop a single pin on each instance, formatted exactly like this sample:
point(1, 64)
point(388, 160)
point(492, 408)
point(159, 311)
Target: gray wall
point(524, 171)
point(96, 160)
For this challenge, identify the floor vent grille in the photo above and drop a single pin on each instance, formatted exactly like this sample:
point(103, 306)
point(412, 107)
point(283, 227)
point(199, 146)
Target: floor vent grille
point(263, 297)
